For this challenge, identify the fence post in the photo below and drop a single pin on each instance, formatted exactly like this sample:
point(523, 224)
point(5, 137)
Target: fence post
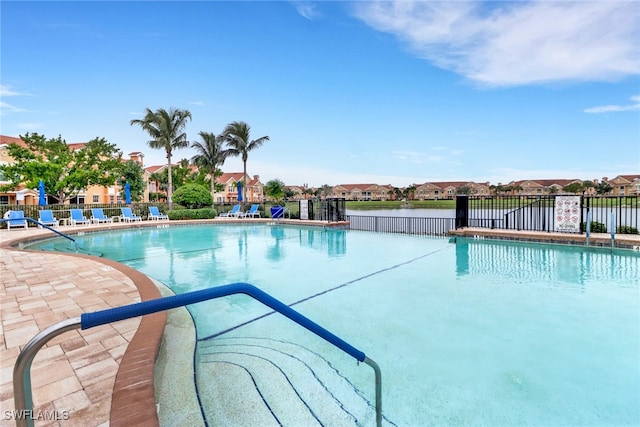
point(462, 211)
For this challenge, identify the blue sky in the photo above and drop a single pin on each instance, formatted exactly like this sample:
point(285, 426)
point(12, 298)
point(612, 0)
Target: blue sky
point(397, 92)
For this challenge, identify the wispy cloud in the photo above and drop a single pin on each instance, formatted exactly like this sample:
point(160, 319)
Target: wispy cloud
point(516, 43)
point(615, 108)
point(5, 107)
point(197, 103)
point(417, 157)
point(8, 91)
point(8, 108)
point(306, 8)
point(29, 126)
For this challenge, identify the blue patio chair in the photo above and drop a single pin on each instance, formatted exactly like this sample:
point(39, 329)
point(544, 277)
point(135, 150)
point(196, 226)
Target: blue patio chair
point(97, 216)
point(16, 219)
point(77, 217)
point(128, 216)
point(232, 213)
point(47, 218)
point(253, 212)
point(155, 215)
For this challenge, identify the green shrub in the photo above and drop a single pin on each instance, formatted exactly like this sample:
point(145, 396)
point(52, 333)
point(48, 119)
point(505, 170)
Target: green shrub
point(204, 213)
point(193, 196)
point(596, 227)
point(625, 229)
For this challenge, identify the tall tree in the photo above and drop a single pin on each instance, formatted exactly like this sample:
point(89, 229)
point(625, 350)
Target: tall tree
point(64, 171)
point(603, 187)
point(237, 135)
point(166, 129)
point(210, 156)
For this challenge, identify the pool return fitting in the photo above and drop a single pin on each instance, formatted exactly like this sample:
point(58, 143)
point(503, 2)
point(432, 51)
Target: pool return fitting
point(22, 368)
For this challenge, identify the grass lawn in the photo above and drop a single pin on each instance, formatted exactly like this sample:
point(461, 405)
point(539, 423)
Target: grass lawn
point(397, 204)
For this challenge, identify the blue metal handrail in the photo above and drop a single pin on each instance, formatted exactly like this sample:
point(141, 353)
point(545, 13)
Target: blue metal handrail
point(38, 223)
point(21, 371)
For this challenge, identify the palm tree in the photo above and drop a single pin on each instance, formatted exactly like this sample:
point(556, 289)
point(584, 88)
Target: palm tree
point(166, 129)
point(210, 156)
point(237, 136)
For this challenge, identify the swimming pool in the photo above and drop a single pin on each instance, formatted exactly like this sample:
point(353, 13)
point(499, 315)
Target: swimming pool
point(475, 332)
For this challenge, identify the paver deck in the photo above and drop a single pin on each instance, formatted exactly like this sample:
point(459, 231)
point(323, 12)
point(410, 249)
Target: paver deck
point(80, 377)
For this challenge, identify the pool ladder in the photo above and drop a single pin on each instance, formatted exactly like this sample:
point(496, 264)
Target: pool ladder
point(22, 368)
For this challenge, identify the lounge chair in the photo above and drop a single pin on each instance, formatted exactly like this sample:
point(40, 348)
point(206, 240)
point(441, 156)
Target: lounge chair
point(128, 216)
point(47, 218)
point(154, 214)
point(77, 217)
point(253, 212)
point(232, 213)
point(97, 216)
point(16, 219)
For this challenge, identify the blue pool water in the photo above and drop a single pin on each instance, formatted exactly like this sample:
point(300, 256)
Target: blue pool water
point(466, 333)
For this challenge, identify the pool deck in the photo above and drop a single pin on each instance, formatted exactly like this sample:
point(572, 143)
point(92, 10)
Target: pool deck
point(624, 241)
point(103, 376)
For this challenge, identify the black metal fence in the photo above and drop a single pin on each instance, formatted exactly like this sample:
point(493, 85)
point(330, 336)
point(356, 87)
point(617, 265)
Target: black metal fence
point(540, 213)
point(620, 214)
point(403, 225)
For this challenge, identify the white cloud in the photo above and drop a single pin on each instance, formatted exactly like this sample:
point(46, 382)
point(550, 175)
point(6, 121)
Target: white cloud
point(7, 91)
point(197, 103)
point(616, 108)
point(516, 43)
point(306, 8)
point(29, 126)
point(417, 158)
point(8, 108)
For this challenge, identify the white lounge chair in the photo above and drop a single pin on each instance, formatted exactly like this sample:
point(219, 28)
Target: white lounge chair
point(128, 216)
point(155, 215)
point(253, 212)
point(232, 213)
point(97, 216)
point(77, 217)
point(16, 219)
point(47, 218)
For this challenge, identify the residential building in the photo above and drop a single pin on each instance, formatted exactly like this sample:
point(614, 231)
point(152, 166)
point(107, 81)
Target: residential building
point(625, 185)
point(362, 191)
point(229, 194)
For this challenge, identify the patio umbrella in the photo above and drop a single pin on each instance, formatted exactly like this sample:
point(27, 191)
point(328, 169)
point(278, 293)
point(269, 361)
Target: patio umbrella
point(42, 198)
point(127, 193)
point(239, 191)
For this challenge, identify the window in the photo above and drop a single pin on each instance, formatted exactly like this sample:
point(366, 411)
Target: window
point(111, 199)
point(4, 200)
point(96, 199)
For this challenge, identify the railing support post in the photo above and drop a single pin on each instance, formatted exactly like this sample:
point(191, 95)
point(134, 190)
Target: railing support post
point(22, 369)
point(378, 374)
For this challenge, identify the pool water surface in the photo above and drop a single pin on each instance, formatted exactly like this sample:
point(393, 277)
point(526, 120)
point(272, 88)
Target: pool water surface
point(466, 332)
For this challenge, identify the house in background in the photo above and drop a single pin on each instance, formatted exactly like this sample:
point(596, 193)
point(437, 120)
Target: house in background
point(229, 194)
point(361, 192)
point(625, 185)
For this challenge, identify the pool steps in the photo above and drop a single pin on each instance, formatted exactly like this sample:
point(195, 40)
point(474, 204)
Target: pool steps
point(284, 382)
